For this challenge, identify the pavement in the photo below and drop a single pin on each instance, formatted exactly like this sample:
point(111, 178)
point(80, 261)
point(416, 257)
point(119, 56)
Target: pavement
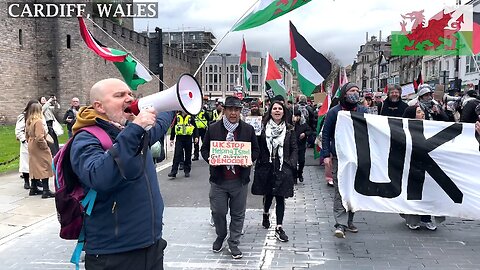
point(29, 232)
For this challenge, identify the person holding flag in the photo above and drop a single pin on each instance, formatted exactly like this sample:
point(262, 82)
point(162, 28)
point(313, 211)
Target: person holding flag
point(302, 131)
point(348, 101)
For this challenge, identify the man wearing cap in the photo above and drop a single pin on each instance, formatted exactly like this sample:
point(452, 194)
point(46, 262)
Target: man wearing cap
point(348, 101)
point(229, 184)
point(393, 104)
point(429, 106)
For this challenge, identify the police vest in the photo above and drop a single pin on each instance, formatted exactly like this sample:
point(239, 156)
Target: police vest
point(183, 126)
point(200, 120)
point(216, 115)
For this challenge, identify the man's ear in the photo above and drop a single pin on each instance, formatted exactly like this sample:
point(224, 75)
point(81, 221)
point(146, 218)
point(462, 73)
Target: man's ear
point(98, 106)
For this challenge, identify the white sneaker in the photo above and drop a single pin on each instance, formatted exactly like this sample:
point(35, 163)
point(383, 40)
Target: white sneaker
point(340, 232)
point(430, 226)
point(413, 226)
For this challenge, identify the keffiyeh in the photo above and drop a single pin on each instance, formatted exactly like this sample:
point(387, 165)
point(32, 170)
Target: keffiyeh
point(275, 134)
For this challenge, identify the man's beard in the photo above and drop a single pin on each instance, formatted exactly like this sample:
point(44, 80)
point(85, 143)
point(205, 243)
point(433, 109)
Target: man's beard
point(117, 118)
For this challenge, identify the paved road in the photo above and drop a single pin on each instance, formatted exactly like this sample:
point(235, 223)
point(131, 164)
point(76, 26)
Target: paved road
point(384, 242)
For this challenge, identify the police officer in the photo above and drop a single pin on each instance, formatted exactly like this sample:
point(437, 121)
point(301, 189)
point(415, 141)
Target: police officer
point(217, 114)
point(201, 121)
point(184, 128)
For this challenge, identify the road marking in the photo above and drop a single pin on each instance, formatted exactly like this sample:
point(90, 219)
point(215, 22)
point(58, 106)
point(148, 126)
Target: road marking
point(164, 166)
point(268, 250)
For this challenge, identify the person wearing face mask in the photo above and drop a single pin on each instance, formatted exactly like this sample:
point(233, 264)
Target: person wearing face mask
point(431, 108)
point(348, 101)
point(393, 104)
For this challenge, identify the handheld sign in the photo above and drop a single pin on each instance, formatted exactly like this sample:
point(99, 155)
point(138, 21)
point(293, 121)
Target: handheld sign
point(256, 123)
point(230, 153)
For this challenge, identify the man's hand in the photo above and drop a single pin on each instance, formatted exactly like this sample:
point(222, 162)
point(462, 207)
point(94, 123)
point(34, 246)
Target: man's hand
point(327, 161)
point(146, 118)
point(477, 127)
point(171, 143)
point(302, 135)
point(195, 140)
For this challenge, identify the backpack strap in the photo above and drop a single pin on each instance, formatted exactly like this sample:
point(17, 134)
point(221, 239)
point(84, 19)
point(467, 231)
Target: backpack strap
point(101, 134)
point(91, 195)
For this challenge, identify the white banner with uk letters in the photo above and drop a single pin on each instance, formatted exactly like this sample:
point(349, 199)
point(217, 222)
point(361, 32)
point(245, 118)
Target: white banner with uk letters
point(410, 166)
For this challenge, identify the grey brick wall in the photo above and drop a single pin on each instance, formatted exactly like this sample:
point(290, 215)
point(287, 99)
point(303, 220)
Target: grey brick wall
point(43, 65)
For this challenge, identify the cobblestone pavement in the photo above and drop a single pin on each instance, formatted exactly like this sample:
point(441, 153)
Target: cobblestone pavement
point(383, 241)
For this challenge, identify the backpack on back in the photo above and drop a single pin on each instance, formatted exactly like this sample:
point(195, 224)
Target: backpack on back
point(70, 199)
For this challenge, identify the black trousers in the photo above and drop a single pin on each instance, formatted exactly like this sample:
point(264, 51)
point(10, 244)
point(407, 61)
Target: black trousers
point(301, 161)
point(183, 152)
point(196, 149)
point(149, 258)
point(279, 207)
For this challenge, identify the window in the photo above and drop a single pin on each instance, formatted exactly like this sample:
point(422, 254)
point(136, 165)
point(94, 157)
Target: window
point(471, 66)
point(232, 68)
point(219, 69)
point(210, 78)
point(210, 68)
point(254, 78)
point(255, 69)
point(68, 42)
point(255, 88)
point(215, 68)
point(215, 80)
point(215, 88)
point(236, 68)
point(210, 88)
point(232, 78)
point(220, 78)
point(20, 37)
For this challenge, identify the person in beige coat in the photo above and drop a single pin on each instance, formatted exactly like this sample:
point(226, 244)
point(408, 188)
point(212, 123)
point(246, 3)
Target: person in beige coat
point(40, 157)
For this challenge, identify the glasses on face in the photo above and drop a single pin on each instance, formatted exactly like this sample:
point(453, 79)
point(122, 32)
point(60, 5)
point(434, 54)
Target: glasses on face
point(378, 96)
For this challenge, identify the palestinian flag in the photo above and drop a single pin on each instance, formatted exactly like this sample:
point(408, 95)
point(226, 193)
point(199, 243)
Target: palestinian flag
point(311, 66)
point(265, 11)
point(418, 81)
point(94, 45)
point(247, 68)
point(133, 73)
point(273, 78)
point(322, 113)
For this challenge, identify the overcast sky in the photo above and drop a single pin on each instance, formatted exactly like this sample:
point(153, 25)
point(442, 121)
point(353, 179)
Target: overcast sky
point(332, 26)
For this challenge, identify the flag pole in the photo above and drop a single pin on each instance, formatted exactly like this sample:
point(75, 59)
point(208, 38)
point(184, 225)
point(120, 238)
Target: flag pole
point(125, 49)
point(228, 32)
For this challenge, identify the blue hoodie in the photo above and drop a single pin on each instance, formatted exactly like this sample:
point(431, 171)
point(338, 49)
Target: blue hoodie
point(128, 210)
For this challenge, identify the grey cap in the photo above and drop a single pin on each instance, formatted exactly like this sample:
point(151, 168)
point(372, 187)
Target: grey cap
point(232, 101)
point(424, 89)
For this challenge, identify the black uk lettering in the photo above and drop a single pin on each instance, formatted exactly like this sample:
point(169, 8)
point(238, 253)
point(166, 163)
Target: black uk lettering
point(421, 161)
point(396, 158)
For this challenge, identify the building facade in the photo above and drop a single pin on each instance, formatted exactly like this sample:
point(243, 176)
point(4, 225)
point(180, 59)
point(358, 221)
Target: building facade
point(221, 74)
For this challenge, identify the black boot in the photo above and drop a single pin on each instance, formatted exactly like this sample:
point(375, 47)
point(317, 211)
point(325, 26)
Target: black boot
point(266, 221)
point(26, 179)
point(46, 190)
point(34, 188)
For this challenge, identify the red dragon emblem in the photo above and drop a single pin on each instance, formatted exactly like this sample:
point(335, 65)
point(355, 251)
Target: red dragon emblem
point(437, 32)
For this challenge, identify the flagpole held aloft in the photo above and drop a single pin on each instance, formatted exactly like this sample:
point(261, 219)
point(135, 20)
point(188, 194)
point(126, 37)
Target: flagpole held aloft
point(131, 55)
point(220, 41)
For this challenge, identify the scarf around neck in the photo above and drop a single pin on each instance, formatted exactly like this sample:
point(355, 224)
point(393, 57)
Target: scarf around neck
point(230, 127)
point(275, 134)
